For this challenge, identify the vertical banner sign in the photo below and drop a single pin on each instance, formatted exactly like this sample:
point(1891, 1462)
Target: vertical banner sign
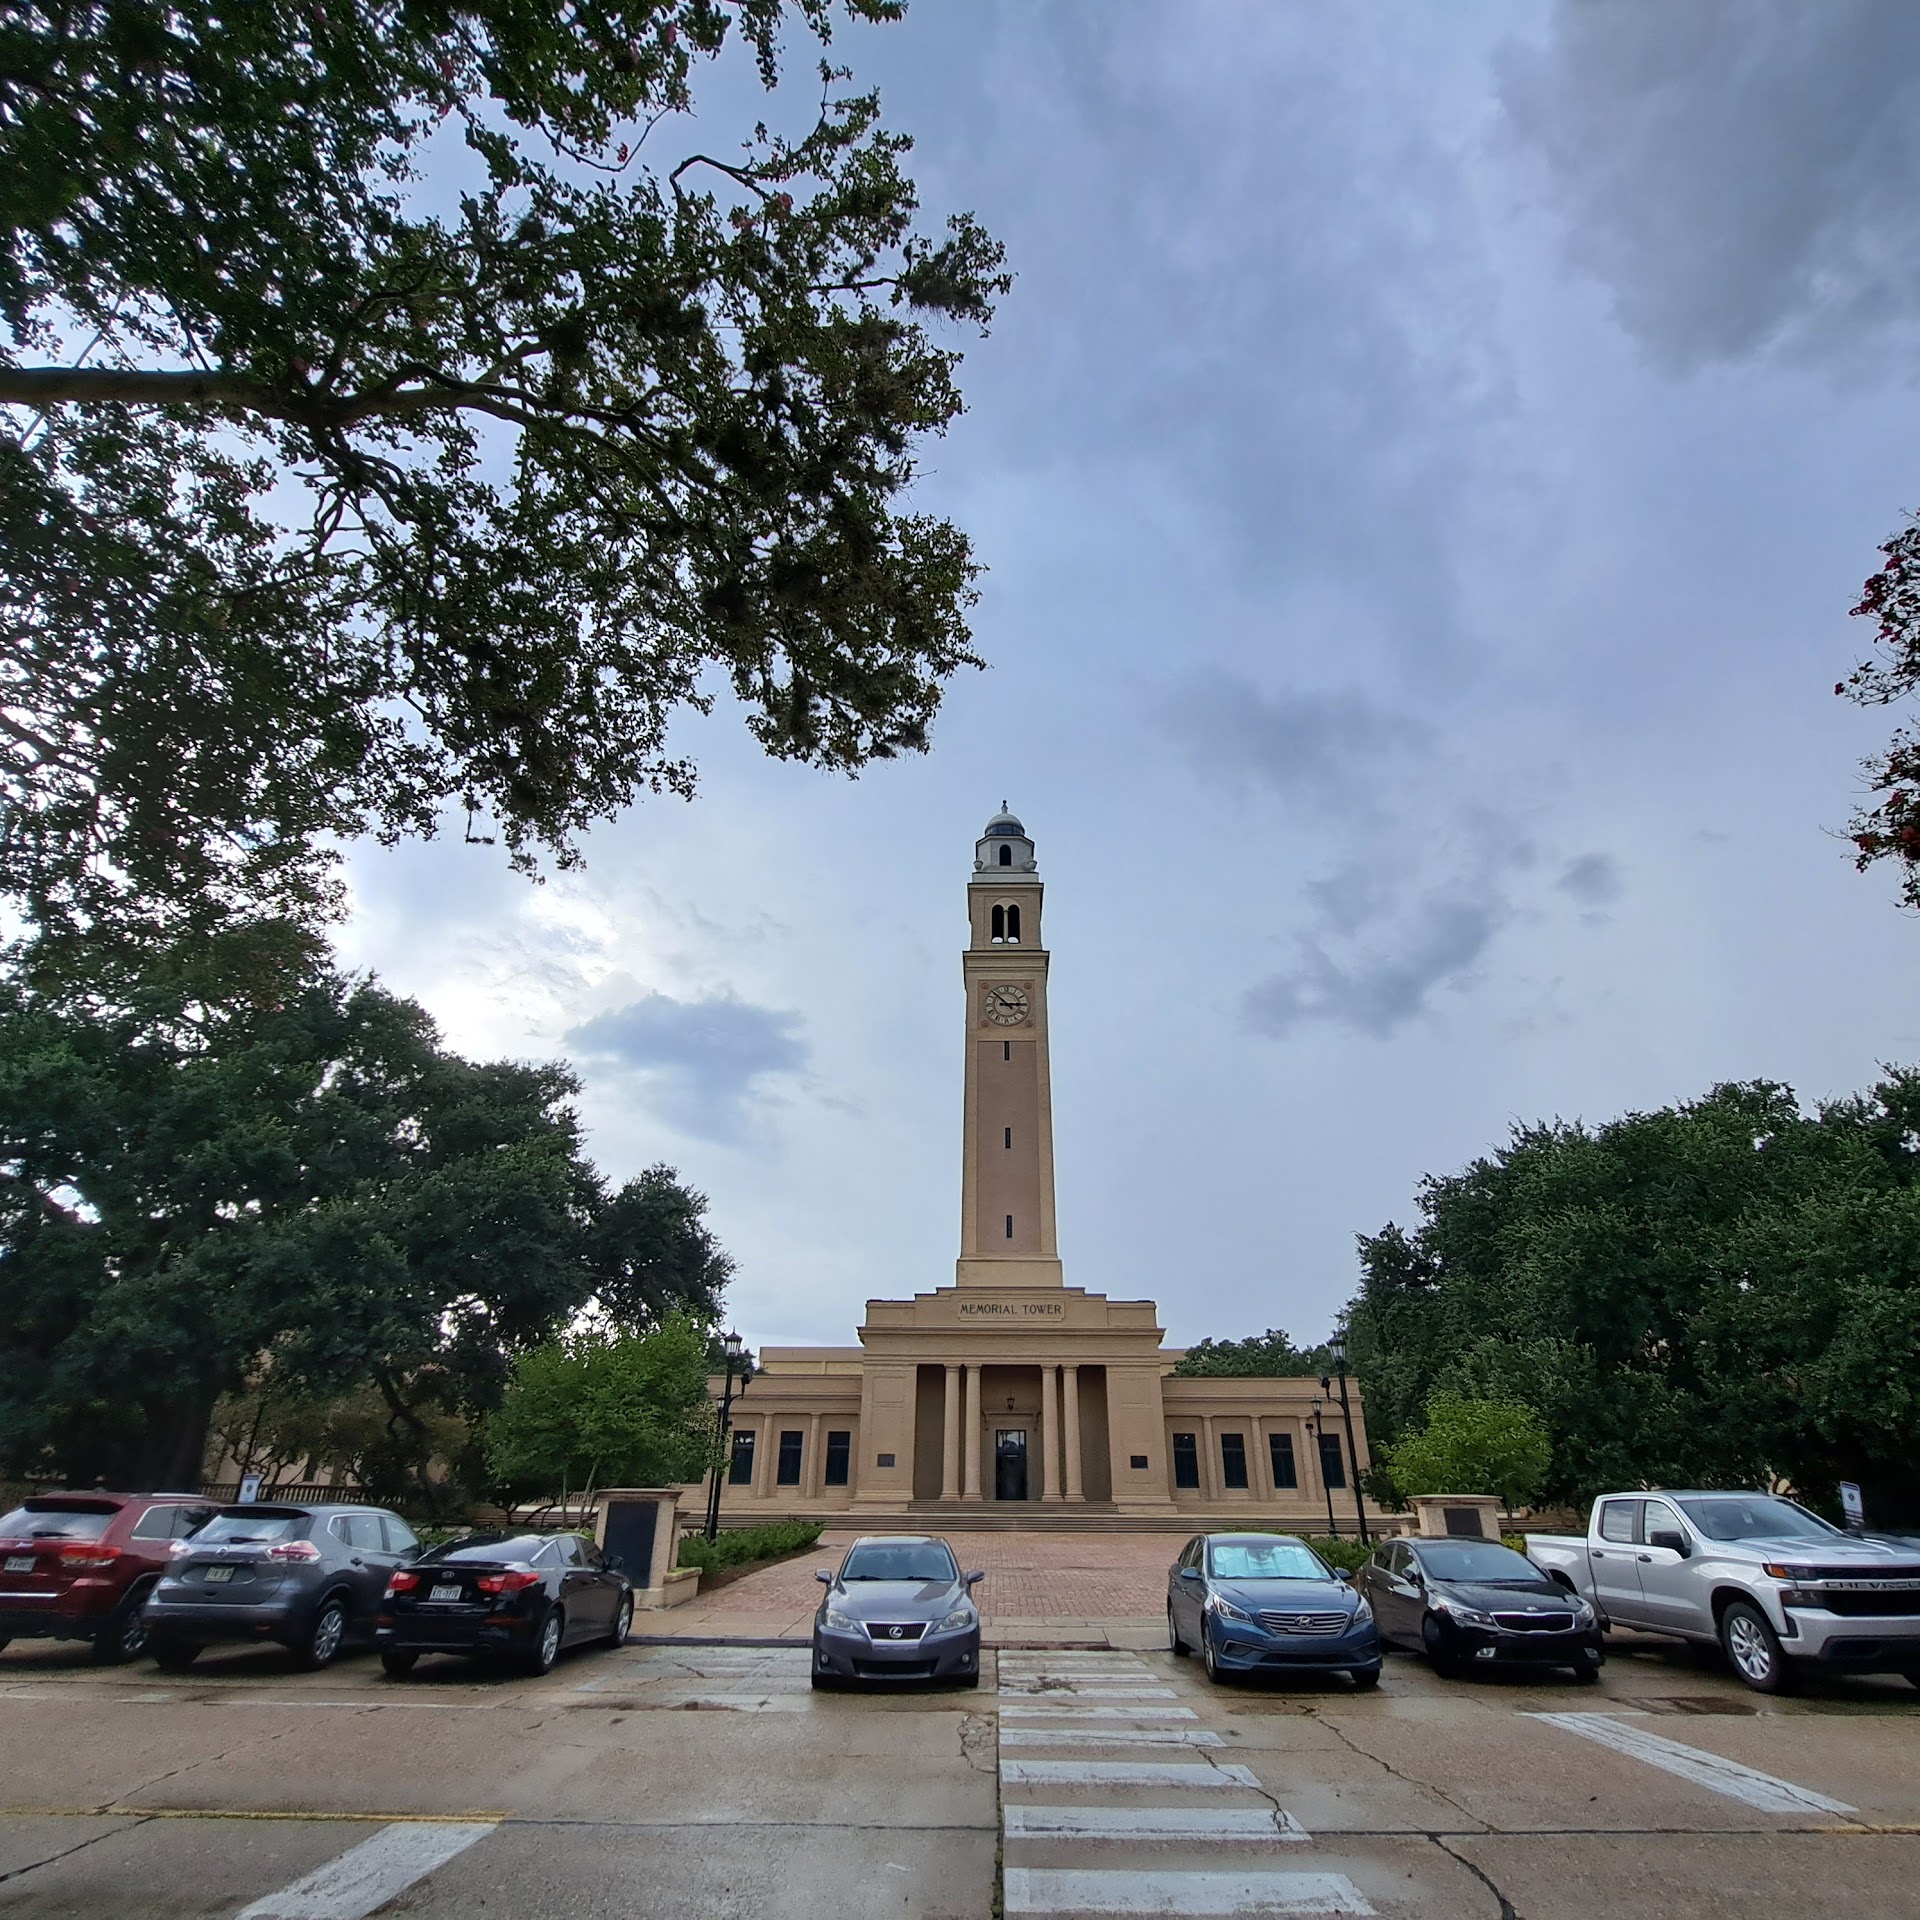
point(1853, 1507)
point(249, 1489)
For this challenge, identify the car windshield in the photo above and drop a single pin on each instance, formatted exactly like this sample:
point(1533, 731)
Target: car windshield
point(1754, 1516)
point(489, 1547)
point(1476, 1560)
point(36, 1522)
point(1278, 1559)
point(918, 1560)
point(251, 1528)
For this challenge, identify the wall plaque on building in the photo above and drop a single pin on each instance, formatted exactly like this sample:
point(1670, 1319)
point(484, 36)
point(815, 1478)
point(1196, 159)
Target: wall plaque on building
point(1013, 1310)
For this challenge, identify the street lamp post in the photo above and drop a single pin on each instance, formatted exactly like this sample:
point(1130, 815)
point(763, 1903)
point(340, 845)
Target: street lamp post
point(1320, 1448)
point(732, 1346)
point(1338, 1344)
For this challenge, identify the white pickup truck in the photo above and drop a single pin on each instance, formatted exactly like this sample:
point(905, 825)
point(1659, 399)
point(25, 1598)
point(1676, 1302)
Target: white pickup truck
point(1773, 1584)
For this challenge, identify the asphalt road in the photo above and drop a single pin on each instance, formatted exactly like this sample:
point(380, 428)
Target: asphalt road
point(711, 1782)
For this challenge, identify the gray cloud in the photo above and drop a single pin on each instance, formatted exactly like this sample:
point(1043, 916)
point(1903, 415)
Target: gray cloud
point(701, 1062)
point(1738, 172)
point(1326, 749)
point(1434, 945)
point(1593, 879)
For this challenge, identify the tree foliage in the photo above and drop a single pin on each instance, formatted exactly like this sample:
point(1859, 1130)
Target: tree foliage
point(1270, 1353)
point(599, 1409)
point(393, 419)
point(1721, 1293)
point(227, 1167)
point(1473, 1446)
point(1890, 828)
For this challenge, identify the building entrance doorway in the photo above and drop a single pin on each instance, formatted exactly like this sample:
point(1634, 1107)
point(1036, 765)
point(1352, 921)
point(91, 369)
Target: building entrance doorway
point(1010, 1463)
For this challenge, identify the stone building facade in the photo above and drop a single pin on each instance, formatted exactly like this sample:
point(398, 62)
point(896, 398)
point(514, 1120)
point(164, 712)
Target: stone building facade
point(1009, 1397)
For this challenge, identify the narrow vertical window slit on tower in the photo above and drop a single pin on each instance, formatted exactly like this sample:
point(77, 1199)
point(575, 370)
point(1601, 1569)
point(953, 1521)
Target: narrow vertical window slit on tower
point(1006, 1049)
point(1009, 1136)
point(1009, 1226)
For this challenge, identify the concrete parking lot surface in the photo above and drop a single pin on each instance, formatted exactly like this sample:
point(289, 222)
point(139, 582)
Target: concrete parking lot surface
point(702, 1780)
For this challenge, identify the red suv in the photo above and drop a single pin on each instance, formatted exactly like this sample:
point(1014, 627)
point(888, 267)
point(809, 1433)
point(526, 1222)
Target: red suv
point(79, 1566)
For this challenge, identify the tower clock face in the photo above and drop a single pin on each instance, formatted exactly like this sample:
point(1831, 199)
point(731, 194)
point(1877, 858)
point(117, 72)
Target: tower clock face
point(1007, 1006)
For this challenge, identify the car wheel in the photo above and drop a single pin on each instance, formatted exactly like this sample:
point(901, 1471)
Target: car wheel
point(324, 1638)
point(124, 1637)
point(1207, 1657)
point(547, 1651)
point(1432, 1638)
point(622, 1623)
point(967, 1680)
point(826, 1683)
point(1584, 1676)
point(1911, 1675)
point(1180, 1647)
point(1365, 1678)
point(1754, 1649)
point(172, 1656)
point(398, 1661)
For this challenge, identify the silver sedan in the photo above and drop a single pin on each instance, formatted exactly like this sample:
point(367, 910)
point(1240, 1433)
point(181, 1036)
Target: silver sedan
point(899, 1608)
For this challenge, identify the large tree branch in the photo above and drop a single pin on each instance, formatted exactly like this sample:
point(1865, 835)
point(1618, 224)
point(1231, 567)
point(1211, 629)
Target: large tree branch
point(96, 386)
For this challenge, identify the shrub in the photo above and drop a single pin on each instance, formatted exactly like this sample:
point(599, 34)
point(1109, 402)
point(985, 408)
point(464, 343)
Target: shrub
point(1347, 1551)
point(742, 1546)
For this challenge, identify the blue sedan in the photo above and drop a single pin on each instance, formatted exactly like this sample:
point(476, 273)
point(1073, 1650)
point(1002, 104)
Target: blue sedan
point(1267, 1603)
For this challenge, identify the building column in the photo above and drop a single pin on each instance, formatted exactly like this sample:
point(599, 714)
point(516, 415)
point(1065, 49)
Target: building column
point(970, 1436)
point(1049, 1434)
point(1210, 1486)
point(1070, 1389)
point(950, 1438)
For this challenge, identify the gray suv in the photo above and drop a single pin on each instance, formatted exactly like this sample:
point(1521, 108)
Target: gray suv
point(307, 1577)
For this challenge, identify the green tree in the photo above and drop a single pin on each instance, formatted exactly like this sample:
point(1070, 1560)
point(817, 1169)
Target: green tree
point(597, 1409)
point(1473, 1446)
point(1721, 1293)
point(1889, 829)
point(393, 419)
point(1270, 1353)
point(227, 1167)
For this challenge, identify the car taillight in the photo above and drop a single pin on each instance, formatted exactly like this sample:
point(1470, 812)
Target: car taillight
point(506, 1582)
point(87, 1553)
point(179, 1550)
point(294, 1550)
point(403, 1583)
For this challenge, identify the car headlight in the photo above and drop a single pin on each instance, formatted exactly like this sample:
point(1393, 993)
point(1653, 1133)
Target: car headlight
point(1465, 1616)
point(958, 1618)
point(1227, 1610)
point(1362, 1613)
point(841, 1622)
point(1583, 1613)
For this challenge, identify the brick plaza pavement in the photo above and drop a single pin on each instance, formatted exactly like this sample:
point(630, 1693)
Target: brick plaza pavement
point(1097, 1589)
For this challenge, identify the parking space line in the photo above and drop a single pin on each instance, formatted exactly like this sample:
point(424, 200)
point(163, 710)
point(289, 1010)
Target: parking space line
point(1042, 1890)
point(1197, 1774)
point(1745, 1784)
point(1226, 1826)
point(379, 1869)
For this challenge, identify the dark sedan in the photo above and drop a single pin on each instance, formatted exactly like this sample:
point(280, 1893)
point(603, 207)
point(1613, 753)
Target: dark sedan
point(1470, 1604)
point(517, 1597)
point(1266, 1602)
point(898, 1609)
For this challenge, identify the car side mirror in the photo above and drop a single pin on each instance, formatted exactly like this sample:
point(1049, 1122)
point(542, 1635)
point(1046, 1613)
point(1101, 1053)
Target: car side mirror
point(1344, 1575)
point(614, 1564)
point(1189, 1573)
point(1415, 1578)
point(1673, 1542)
point(824, 1577)
point(969, 1579)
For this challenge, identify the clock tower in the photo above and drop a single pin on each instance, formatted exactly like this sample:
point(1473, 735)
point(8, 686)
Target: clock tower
point(1006, 1187)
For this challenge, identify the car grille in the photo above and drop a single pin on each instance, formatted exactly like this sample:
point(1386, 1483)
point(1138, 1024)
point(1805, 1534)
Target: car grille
point(1303, 1622)
point(1534, 1622)
point(890, 1630)
point(1864, 1573)
point(1867, 1606)
point(895, 1669)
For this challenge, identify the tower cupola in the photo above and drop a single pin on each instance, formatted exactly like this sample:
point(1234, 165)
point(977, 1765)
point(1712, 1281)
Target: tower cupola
point(1004, 848)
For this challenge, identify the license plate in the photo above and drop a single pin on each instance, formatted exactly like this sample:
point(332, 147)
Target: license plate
point(218, 1573)
point(447, 1593)
point(19, 1563)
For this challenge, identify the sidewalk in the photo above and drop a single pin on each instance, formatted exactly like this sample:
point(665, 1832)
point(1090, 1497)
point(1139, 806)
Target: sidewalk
point(1041, 1590)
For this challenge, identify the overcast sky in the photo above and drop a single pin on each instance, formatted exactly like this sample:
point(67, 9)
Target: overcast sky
point(1423, 467)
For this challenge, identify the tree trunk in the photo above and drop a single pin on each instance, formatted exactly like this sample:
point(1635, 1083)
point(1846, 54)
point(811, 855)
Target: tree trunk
point(174, 1458)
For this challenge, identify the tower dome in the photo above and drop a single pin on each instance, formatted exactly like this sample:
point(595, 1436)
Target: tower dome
point(1004, 850)
point(1004, 826)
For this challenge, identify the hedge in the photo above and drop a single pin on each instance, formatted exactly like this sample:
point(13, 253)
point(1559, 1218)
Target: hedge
point(741, 1546)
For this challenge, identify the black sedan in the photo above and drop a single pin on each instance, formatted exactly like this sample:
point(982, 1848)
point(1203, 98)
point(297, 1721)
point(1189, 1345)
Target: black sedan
point(1470, 1604)
point(898, 1609)
point(517, 1597)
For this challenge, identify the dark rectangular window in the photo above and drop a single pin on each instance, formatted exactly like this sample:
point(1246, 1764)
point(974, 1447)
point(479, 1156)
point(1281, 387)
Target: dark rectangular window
point(1280, 1451)
point(789, 1474)
point(839, 1452)
point(740, 1467)
point(883, 1459)
point(1138, 1461)
point(1333, 1466)
point(1006, 1049)
point(1186, 1460)
point(1233, 1460)
point(1009, 1226)
point(1009, 1136)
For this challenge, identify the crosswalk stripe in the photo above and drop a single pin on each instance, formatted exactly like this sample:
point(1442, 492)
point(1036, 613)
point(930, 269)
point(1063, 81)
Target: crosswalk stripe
point(1109, 1737)
point(1232, 1826)
point(1198, 1774)
point(1044, 1890)
point(1071, 1709)
point(1745, 1784)
point(354, 1883)
point(1090, 1693)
